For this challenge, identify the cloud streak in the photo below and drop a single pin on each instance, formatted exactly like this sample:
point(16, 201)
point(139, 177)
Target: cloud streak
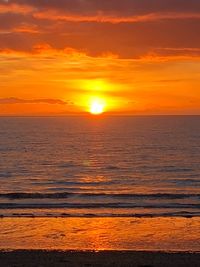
point(101, 18)
point(13, 100)
point(125, 7)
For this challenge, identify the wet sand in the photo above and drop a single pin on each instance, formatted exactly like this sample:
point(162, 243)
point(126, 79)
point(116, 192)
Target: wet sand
point(112, 242)
point(101, 234)
point(101, 259)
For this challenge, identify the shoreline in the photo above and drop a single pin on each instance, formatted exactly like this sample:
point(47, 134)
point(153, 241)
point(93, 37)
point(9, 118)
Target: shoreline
point(101, 234)
point(88, 251)
point(46, 258)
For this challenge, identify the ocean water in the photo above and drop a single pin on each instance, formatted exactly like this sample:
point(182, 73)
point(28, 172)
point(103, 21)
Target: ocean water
point(100, 166)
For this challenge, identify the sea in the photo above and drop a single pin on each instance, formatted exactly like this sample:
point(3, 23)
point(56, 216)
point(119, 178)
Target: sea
point(100, 166)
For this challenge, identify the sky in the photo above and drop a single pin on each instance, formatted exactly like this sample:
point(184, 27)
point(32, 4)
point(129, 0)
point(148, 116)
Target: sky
point(135, 57)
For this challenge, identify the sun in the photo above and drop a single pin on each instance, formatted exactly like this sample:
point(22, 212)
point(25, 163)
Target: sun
point(97, 108)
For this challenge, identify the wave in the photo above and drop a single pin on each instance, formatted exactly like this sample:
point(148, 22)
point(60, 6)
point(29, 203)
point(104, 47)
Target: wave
point(97, 205)
point(182, 214)
point(64, 195)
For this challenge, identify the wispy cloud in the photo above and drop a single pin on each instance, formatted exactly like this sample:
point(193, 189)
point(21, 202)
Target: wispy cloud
point(125, 7)
point(13, 100)
point(114, 19)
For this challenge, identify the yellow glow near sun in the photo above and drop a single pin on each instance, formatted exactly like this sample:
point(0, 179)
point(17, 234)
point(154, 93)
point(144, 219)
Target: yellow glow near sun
point(97, 107)
point(96, 85)
point(97, 96)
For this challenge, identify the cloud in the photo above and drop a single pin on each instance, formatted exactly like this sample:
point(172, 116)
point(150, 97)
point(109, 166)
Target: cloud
point(125, 7)
point(13, 100)
point(103, 18)
point(132, 29)
point(8, 7)
point(116, 11)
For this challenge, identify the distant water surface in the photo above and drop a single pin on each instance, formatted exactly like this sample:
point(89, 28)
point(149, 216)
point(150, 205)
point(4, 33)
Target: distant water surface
point(100, 166)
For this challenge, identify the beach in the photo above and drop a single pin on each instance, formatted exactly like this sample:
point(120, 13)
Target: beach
point(100, 259)
point(122, 242)
point(101, 234)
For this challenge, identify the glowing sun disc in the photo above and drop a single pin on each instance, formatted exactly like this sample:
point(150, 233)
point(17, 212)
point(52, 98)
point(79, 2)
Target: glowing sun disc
point(96, 108)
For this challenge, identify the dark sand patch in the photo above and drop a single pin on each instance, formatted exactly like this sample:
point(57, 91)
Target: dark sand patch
point(28, 258)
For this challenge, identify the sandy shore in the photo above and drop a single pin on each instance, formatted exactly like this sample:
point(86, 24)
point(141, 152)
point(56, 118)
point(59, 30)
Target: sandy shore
point(25, 258)
point(101, 234)
point(46, 242)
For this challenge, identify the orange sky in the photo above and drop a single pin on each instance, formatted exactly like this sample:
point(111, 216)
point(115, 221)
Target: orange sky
point(136, 56)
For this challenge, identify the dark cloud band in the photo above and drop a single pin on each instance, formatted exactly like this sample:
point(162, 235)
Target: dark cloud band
point(12, 100)
point(125, 7)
